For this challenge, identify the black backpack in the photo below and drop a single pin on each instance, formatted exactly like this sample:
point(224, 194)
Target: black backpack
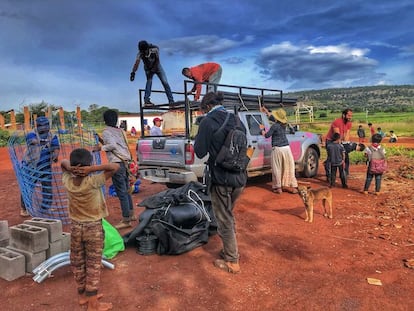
point(233, 154)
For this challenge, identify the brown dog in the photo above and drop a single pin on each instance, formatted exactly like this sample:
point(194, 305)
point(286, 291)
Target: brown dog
point(309, 196)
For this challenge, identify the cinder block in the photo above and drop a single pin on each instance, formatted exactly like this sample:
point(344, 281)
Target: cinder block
point(65, 241)
point(4, 233)
point(54, 226)
point(54, 248)
point(32, 259)
point(12, 264)
point(29, 238)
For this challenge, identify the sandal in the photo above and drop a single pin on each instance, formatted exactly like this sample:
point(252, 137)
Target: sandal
point(231, 267)
point(83, 300)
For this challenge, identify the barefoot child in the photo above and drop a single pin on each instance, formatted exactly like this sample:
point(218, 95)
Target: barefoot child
point(87, 207)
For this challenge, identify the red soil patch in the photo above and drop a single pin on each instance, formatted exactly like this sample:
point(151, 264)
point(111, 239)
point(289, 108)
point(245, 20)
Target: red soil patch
point(286, 264)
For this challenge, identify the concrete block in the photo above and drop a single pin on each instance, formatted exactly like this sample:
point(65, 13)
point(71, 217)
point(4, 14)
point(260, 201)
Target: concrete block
point(4, 243)
point(12, 265)
point(54, 248)
point(32, 259)
point(54, 226)
point(29, 238)
point(4, 233)
point(65, 241)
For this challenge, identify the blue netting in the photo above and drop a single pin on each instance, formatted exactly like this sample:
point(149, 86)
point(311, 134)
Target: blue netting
point(42, 192)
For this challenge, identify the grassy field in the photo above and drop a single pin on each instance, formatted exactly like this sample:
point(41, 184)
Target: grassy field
point(401, 123)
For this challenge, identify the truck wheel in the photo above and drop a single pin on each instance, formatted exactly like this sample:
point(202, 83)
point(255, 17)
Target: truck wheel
point(310, 163)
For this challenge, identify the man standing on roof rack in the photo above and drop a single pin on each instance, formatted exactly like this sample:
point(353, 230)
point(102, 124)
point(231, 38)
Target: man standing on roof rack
point(149, 54)
point(207, 72)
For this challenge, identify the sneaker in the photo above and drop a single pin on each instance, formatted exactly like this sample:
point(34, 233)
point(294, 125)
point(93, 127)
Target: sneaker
point(132, 217)
point(377, 193)
point(345, 186)
point(123, 224)
point(365, 192)
point(149, 104)
point(231, 267)
point(277, 190)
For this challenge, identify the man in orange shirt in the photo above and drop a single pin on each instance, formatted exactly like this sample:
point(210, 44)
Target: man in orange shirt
point(207, 72)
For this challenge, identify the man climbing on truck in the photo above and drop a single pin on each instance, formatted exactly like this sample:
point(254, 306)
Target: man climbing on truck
point(207, 72)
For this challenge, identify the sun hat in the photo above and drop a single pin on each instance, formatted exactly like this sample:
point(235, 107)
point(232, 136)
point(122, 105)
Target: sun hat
point(280, 115)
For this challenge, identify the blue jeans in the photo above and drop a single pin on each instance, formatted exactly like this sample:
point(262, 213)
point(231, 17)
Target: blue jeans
point(222, 202)
point(163, 78)
point(342, 175)
point(378, 178)
point(121, 185)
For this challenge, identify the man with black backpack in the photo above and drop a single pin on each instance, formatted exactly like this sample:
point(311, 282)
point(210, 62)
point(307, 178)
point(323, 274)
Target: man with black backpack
point(226, 181)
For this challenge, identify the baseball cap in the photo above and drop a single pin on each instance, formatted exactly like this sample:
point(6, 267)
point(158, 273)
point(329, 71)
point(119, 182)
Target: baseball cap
point(157, 119)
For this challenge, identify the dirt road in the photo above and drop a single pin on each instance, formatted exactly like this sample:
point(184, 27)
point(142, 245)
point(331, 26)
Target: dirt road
point(286, 264)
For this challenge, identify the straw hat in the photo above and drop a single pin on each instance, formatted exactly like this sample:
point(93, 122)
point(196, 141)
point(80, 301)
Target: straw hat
point(280, 115)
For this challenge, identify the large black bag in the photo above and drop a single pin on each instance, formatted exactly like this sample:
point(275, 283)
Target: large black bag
point(180, 222)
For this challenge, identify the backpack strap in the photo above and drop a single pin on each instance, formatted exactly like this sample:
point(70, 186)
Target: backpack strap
point(224, 124)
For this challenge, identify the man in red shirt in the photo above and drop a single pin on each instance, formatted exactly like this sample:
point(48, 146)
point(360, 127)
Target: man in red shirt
point(342, 126)
point(207, 72)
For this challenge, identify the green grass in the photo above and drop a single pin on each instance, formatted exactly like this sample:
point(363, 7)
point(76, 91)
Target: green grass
point(401, 123)
point(358, 157)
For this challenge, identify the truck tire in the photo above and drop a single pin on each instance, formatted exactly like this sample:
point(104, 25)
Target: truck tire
point(310, 163)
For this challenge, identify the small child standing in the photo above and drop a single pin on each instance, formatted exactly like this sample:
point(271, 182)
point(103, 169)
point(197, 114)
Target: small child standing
point(375, 151)
point(336, 157)
point(87, 207)
point(361, 134)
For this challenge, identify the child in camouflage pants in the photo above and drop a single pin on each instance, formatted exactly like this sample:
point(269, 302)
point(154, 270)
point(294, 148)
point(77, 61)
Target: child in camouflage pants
point(87, 207)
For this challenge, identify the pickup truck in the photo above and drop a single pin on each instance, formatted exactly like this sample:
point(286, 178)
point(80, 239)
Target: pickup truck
point(171, 159)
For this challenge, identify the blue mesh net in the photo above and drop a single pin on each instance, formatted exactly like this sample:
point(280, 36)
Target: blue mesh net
point(38, 171)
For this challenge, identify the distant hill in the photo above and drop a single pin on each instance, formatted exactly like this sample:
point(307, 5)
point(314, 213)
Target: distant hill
point(394, 98)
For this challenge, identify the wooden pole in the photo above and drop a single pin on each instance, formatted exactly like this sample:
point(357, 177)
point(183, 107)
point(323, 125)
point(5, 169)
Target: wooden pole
point(62, 118)
point(78, 116)
point(27, 125)
point(13, 119)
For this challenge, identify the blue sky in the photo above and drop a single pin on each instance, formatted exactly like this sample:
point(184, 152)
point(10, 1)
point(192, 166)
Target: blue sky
point(78, 53)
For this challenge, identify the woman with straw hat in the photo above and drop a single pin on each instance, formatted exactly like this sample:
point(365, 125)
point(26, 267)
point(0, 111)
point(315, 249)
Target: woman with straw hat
point(282, 162)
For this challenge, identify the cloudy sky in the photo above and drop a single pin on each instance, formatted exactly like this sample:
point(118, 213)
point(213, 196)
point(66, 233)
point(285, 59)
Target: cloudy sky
point(78, 53)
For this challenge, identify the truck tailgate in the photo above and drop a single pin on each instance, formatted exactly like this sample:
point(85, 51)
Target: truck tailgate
point(161, 151)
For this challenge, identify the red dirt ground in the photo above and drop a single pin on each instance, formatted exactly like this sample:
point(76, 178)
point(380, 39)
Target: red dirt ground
point(286, 264)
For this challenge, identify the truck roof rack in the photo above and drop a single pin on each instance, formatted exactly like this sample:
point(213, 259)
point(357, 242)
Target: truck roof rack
point(234, 97)
point(253, 102)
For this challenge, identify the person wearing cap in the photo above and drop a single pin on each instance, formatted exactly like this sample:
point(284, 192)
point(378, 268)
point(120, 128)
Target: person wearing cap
point(282, 162)
point(207, 72)
point(149, 54)
point(156, 129)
